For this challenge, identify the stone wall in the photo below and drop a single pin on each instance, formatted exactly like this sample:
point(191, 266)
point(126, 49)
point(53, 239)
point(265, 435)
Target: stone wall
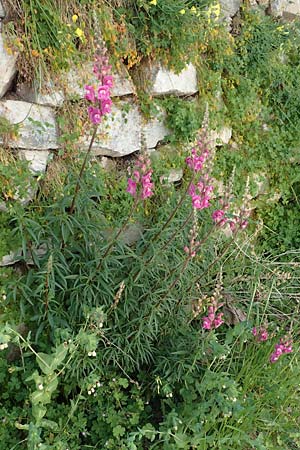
point(33, 108)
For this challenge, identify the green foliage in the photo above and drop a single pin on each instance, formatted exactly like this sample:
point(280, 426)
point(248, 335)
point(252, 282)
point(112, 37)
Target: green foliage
point(102, 338)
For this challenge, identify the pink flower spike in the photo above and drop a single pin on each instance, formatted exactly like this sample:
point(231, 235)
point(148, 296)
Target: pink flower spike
point(103, 93)
point(131, 187)
point(94, 115)
point(90, 93)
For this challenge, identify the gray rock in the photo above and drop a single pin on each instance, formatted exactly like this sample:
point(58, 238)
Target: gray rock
point(77, 78)
point(155, 131)
point(229, 8)
point(37, 159)
point(220, 137)
point(120, 134)
point(162, 81)
point(173, 176)
point(48, 95)
point(287, 8)
point(8, 68)
point(37, 125)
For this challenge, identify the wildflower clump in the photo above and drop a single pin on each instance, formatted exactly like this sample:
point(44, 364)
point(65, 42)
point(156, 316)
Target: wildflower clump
point(100, 96)
point(140, 185)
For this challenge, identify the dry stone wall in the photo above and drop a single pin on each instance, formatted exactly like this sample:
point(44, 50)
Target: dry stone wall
point(33, 108)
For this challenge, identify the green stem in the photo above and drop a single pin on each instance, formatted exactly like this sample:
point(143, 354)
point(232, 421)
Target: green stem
point(77, 187)
point(164, 247)
point(171, 216)
point(134, 205)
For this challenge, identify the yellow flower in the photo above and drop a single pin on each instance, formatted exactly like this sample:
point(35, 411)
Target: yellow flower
point(79, 33)
point(74, 18)
point(153, 2)
point(182, 11)
point(193, 10)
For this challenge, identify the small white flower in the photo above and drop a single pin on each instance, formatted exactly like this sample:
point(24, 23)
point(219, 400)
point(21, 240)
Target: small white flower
point(89, 392)
point(40, 387)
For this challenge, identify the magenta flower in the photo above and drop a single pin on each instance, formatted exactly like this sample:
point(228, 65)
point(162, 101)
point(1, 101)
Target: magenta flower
point(142, 175)
point(200, 194)
point(212, 321)
point(261, 334)
point(102, 102)
point(103, 92)
point(108, 81)
point(94, 115)
point(196, 161)
point(131, 187)
point(280, 349)
point(218, 215)
point(106, 106)
point(90, 93)
point(106, 70)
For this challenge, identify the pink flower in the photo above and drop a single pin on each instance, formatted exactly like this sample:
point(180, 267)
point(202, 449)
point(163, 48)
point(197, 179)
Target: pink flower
point(201, 193)
point(103, 92)
point(218, 320)
point(94, 115)
point(206, 323)
point(108, 81)
point(106, 106)
point(261, 334)
point(196, 161)
point(131, 187)
point(212, 321)
point(282, 347)
point(106, 70)
point(90, 93)
point(218, 215)
point(142, 175)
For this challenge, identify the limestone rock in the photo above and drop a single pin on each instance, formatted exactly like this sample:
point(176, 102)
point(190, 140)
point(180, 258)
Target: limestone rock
point(162, 81)
point(120, 134)
point(8, 68)
point(77, 78)
point(48, 95)
point(173, 176)
point(289, 9)
point(154, 131)
point(37, 159)
point(37, 126)
point(229, 8)
point(221, 136)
